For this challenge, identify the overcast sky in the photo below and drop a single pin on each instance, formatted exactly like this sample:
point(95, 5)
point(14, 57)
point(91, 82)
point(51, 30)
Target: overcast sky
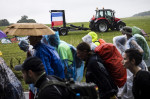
point(75, 10)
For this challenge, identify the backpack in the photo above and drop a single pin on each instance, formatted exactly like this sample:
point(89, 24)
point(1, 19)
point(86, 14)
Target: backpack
point(113, 62)
point(76, 90)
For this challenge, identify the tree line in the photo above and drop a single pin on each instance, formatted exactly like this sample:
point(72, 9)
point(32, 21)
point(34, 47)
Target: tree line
point(24, 19)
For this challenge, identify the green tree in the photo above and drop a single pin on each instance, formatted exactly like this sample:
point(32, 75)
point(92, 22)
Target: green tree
point(4, 22)
point(31, 21)
point(24, 19)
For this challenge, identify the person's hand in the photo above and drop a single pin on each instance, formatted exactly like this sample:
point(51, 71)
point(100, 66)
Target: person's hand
point(113, 97)
point(65, 70)
point(29, 54)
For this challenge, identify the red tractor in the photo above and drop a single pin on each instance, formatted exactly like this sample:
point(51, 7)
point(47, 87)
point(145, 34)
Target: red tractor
point(105, 19)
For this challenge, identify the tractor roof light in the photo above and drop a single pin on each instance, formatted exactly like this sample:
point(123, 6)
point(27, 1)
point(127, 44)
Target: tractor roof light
point(114, 11)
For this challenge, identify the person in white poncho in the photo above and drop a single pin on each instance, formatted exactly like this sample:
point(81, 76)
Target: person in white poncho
point(128, 41)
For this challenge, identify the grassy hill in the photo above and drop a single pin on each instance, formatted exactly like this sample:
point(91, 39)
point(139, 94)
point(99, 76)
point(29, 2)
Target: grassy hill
point(13, 55)
point(142, 22)
point(146, 13)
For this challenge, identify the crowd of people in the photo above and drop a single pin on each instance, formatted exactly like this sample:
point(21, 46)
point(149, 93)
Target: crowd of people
point(120, 70)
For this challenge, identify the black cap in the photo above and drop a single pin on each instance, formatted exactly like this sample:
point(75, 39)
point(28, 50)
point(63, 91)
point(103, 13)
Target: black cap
point(31, 63)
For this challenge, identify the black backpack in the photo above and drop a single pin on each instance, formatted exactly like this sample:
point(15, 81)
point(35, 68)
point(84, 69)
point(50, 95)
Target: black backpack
point(77, 90)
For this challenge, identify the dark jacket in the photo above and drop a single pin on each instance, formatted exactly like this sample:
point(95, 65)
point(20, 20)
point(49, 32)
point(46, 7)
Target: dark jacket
point(97, 73)
point(52, 91)
point(141, 85)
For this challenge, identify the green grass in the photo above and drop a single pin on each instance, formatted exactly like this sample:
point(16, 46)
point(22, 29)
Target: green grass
point(2, 27)
point(13, 55)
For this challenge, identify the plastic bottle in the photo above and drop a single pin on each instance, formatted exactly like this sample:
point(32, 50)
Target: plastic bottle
point(77, 96)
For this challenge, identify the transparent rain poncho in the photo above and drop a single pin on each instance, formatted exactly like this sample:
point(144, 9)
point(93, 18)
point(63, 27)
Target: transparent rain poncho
point(10, 86)
point(24, 45)
point(119, 42)
point(88, 39)
point(143, 44)
point(132, 43)
point(122, 44)
point(136, 30)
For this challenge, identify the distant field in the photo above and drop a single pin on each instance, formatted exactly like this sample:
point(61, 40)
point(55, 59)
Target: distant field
point(13, 55)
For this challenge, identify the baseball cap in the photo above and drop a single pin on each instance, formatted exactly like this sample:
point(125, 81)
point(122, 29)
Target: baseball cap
point(31, 63)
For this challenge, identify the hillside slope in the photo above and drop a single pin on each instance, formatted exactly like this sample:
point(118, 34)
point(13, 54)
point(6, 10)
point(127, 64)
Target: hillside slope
point(146, 13)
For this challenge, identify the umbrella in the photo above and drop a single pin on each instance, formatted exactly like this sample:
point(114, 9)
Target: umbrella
point(30, 29)
point(2, 34)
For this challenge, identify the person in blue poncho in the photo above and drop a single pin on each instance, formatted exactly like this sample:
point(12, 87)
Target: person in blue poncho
point(49, 57)
point(67, 55)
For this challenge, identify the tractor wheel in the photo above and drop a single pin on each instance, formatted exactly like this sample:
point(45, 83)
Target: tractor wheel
point(103, 26)
point(91, 25)
point(63, 32)
point(120, 25)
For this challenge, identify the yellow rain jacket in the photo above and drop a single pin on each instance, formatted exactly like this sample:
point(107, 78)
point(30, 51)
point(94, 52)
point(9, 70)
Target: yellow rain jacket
point(94, 38)
point(1, 53)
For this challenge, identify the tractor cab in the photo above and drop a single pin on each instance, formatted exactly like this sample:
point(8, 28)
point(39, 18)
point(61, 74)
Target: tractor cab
point(105, 13)
point(105, 19)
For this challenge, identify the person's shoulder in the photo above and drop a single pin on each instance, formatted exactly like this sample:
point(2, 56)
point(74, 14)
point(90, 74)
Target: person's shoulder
point(95, 58)
point(53, 77)
point(143, 75)
point(43, 47)
point(63, 45)
point(47, 46)
point(143, 72)
point(50, 92)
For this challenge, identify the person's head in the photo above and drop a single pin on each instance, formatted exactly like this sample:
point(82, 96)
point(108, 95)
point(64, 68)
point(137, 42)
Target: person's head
point(126, 31)
point(54, 40)
point(32, 68)
point(24, 45)
point(83, 50)
point(34, 40)
point(132, 57)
